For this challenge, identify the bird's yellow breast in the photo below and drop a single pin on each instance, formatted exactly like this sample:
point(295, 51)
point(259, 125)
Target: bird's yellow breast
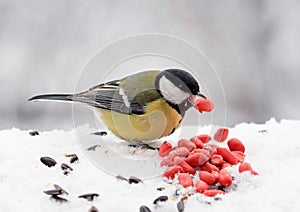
point(159, 120)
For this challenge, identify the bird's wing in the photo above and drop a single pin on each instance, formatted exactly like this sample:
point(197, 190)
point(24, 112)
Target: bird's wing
point(109, 96)
point(121, 96)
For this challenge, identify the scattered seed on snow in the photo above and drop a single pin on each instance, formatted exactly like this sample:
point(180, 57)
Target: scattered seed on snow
point(93, 148)
point(48, 161)
point(93, 209)
point(160, 199)
point(62, 190)
point(33, 133)
point(58, 199)
point(135, 180)
point(101, 133)
point(144, 208)
point(180, 206)
point(66, 167)
point(89, 197)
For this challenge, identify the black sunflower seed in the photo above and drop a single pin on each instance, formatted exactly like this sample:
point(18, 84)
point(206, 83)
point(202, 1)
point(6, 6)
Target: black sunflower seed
point(93, 209)
point(160, 188)
point(74, 159)
point(66, 172)
point(54, 192)
point(120, 177)
point(89, 197)
point(160, 199)
point(48, 161)
point(66, 167)
point(69, 155)
point(63, 191)
point(93, 148)
point(58, 199)
point(101, 133)
point(221, 187)
point(135, 180)
point(217, 198)
point(144, 208)
point(180, 206)
point(33, 133)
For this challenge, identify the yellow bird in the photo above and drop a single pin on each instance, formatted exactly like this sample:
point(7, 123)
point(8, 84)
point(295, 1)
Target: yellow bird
point(140, 107)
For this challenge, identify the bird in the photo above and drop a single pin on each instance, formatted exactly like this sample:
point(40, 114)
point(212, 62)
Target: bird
point(141, 107)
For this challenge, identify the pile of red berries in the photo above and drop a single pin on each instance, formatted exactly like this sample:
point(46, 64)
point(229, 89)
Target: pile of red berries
point(196, 158)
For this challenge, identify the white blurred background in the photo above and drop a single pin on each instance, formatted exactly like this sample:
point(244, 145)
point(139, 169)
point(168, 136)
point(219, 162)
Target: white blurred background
point(254, 46)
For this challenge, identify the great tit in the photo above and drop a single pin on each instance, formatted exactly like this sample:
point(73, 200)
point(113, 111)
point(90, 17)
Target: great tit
point(140, 107)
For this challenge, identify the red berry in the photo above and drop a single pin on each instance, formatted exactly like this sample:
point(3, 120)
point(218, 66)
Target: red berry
point(204, 138)
point(240, 155)
point(178, 151)
point(235, 144)
point(225, 178)
point(201, 186)
point(185, 180)
point(254, 172)
point(197, 159)
point(216, 159)
point(212, 193)
point(209, 167)
point(204, 105)
point(227, 155)
point(207, 177)
point(166, 162)
point(199, 144)
point(164, 149)
point(178, 159)
point(216, 174)
point(245, 166)
point(187, 168)
point(221, 134)
point(196, 151)
point(187, 144)
point(211, 148)
point(225, 165)
point(172, 171)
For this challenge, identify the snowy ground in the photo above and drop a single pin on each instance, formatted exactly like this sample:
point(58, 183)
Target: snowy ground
point(274, 153)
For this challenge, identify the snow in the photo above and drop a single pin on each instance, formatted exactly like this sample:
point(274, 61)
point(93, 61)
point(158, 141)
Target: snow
point(274, 153)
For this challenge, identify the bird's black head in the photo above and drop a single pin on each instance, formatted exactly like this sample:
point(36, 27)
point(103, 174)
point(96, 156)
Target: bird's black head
point(176, 85)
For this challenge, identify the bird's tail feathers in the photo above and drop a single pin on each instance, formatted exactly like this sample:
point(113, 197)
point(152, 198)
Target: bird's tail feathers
point(52, 97)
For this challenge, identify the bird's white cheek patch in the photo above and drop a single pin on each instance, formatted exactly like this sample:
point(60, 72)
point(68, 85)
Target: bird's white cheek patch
point(171, 92)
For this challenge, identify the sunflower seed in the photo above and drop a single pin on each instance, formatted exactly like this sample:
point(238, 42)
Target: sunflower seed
point(48, 161)
point(74, 159)
point(66, 167)
point(66, 172)
point(101, 133)
point(93, 209)
point(144, 208)
point(89, 197)
point(120, 177)
point(135, 180)
point(62, 190)
point(93, 148)
point(53, 192)
point(180, 206)
point(33, 133)
point(160, 199)
point(58, 199)
point(70, 155)
point(160, 188)
point(217, 198)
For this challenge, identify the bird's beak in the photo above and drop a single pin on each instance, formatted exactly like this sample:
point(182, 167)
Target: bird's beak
point(201, 95)
point(194, 98)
